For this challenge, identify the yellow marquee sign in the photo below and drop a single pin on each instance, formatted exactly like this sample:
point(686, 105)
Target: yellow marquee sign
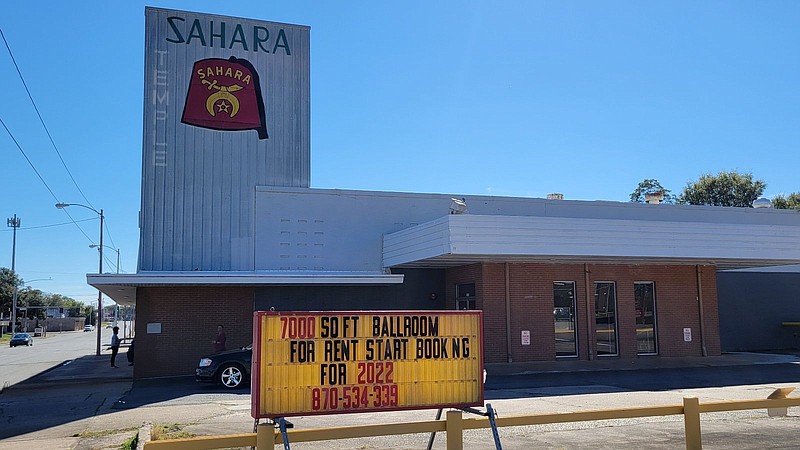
point(357, 361)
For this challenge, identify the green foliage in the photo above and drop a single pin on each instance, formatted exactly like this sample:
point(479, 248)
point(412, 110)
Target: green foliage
point(723, 189)
point(8, 279)
point(131, 443)
point(651, 186)
point(790, 202)
point(27, 296)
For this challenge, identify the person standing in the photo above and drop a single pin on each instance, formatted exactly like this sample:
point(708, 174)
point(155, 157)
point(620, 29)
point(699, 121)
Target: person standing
point(114, 347)
point(219, 341)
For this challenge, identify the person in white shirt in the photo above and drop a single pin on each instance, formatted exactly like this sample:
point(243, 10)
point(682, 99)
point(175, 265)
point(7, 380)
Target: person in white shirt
point(114, 347)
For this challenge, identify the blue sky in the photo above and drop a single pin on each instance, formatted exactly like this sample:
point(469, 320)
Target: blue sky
point(518, 98)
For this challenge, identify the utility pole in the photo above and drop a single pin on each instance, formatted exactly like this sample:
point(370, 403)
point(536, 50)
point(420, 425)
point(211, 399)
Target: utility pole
point(14, 223)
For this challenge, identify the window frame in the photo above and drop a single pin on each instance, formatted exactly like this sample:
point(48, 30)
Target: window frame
point(616, 320)
point(471, 301)
point(655, 319)
point(574, 319)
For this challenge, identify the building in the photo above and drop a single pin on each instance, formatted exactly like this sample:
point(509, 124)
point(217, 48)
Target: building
point(760, 308)
point(230, 225)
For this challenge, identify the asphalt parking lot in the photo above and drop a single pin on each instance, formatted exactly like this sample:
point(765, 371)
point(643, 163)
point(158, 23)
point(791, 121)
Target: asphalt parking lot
point(84, 404)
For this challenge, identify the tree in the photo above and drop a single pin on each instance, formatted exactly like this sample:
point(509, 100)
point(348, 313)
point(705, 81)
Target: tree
point(790, 202)
point(8, 279)
point(651, 186)
point(723, 189)
point(34, 300)
point(27, 296)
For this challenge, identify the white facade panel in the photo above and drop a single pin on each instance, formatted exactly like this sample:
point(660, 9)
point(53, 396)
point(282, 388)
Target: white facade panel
point(424, 241)
point(226, 108)
point(330, 230)
point(541, 238)
point(319, 229)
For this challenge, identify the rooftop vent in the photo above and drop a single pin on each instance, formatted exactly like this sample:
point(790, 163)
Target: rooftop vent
point(654, 198)
point(762, 202)
point(458, 206)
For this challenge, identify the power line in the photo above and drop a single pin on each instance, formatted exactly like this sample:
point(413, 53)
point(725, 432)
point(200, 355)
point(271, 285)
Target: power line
point(55, 147)
point(28, 159)
point(19, 72)
point(11, 135)
point(53, 225)
point(47, 131)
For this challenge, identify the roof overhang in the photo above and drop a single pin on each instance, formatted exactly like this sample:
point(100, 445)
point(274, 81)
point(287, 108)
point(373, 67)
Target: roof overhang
point(455, 240)
point(122, 287)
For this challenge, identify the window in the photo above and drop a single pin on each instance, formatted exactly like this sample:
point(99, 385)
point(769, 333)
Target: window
point(605, 318)
point(564, 318)
point(644, 296)
point(465, 296)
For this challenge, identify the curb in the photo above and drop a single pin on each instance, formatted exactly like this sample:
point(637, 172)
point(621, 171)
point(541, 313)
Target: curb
point(145, 431)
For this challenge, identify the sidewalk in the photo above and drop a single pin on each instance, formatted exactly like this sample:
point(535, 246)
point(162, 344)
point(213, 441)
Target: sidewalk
point(112, 407)
point(90, 369)
point(86, 369)
point(642, 363)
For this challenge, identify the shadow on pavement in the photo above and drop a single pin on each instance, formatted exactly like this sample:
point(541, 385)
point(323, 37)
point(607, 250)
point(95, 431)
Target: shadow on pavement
point(576, 383)
point(87, 387)
point(26, 411)
point(165, 390)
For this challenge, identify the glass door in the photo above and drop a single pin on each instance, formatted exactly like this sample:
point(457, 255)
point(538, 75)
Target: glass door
point(564, 318)
point(605, 318)
point(644, 295)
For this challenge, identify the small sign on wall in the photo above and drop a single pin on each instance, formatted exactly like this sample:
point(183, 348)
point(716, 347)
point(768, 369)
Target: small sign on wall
point(687, 335)
point(526, 337)
point(154, 328)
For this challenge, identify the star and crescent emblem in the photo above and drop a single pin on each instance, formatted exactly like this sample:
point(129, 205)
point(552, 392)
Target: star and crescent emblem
point(219, 98)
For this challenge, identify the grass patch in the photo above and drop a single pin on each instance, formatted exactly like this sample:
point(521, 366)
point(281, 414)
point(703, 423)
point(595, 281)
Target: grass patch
point(162, 431)
point(5, 338)
point(97, 434)
point(130, 443)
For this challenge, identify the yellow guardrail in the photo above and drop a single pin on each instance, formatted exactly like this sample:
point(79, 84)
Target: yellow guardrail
point(267, 436)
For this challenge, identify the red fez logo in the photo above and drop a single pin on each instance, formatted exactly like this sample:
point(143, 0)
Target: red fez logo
point(225, 94)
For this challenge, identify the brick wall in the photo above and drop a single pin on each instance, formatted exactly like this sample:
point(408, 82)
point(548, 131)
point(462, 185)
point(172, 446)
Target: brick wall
point(189, 317)
point(531, 299)
point(532, 308)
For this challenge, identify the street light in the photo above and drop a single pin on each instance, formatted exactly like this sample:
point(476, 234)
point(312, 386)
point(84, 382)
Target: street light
point(112, 248)
point(100, 270)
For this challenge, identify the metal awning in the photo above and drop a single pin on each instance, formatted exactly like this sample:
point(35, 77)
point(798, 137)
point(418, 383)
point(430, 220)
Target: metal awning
point(122, 287)
point(456, 240)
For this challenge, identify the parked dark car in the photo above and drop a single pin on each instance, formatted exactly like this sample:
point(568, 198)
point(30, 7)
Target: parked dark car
point(21, 339)
point(231, 369)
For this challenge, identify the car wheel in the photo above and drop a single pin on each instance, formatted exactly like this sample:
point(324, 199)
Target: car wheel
point(30, 344)
point(231, 376)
